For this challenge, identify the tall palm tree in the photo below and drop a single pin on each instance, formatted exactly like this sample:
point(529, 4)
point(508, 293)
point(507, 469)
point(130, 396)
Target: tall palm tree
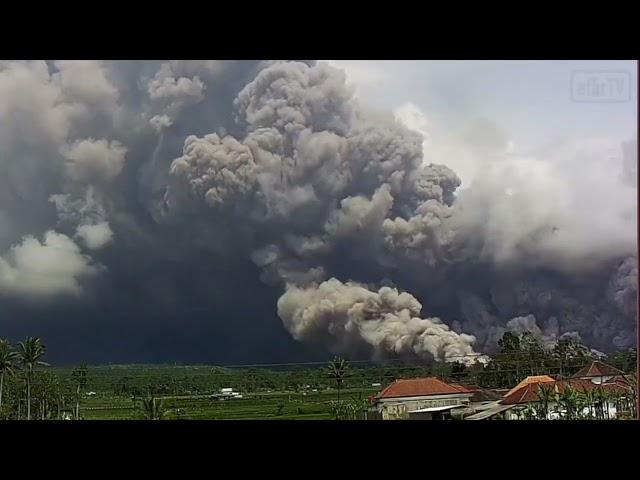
point(46, 389)
point(587, 399)
point(80, 377)
point(569, 401)
point(546, 395)
point(600, 399)
point(617, 398)
point(631, 382)
point(8, 359)
point(30, 352)
point(152, 408)
point(337, 370)
point(529, 413)
point(605, 396)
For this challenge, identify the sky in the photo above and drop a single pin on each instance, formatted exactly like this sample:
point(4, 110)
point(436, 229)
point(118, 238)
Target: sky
point(529, 102)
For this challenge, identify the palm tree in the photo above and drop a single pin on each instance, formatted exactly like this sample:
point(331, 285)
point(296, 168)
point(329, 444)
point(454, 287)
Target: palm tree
point(605, 396)
point(337, 370)
point(356, 408)
point(80, 377)
point(529, 413)
point(617, 398)
point(569, 401)
point(587, 400)
point(151, 408)
point(8, 359)
point(30, 352)
point(46, 390)
point(545, 397)
point(632, 397)
point(600, 400)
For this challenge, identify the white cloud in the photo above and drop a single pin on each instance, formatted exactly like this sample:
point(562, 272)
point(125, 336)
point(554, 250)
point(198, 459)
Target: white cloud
point(53, 267)
point(95, 236)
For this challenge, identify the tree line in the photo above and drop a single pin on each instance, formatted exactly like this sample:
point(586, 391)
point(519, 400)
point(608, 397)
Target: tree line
point(29, 391)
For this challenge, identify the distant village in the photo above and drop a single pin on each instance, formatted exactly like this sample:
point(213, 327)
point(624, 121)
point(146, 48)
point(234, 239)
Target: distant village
point(597, 391)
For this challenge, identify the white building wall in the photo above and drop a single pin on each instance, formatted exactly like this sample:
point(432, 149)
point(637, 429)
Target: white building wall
point(399, 408)
point(556, 413)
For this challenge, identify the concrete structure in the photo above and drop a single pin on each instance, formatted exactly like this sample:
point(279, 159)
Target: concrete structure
point(419, 399)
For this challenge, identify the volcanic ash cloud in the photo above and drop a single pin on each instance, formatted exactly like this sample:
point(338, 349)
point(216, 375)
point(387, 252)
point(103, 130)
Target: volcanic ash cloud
point(350, 315)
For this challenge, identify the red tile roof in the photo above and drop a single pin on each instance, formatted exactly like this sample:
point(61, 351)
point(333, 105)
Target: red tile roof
point(576, 383)
point(464, 388)
point(623, 379)
point(526, 394)
point(582, 385)
point(598, 369)
point(531, 380)
point(529, 392)
point(419, 387)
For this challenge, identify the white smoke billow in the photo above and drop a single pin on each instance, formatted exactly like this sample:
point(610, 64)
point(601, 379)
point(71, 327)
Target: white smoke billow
point(91, 161)
point(54, 267)
point(276, 162)
point(388, 321)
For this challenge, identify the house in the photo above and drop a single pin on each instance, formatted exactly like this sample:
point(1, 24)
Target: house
point(419, 399)
point(225, 394)
point(524, 400)
point(495, 407)
point(598, 372)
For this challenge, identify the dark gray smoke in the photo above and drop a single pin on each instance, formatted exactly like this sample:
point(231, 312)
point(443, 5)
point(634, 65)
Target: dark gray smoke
point(168, 186)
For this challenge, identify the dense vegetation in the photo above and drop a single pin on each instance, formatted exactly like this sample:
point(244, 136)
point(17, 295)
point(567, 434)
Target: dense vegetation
point(29, 388)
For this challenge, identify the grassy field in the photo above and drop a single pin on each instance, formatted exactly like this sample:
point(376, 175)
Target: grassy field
point(267, 394)
point(263, 406)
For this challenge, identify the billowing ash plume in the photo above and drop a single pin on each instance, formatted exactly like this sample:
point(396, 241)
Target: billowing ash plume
point(386, 320)
point(548, 337)
point(129, 170)
point(91, 161)
point(171, 95)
